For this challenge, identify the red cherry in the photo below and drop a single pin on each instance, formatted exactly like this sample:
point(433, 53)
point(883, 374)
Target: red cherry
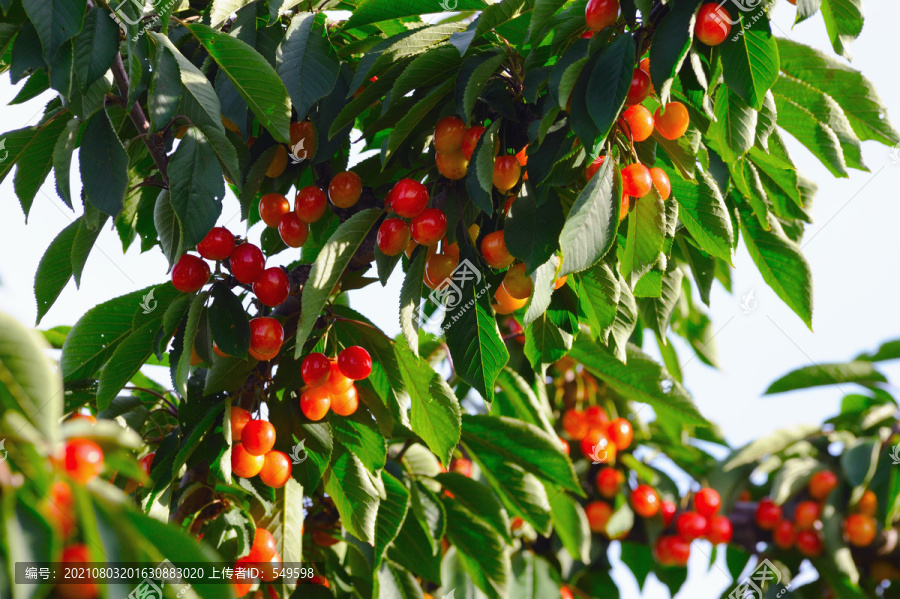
point(408, 198)
point(565, 593)
point(690, 525)
point(355, 363)
point(507, 171)
point(809, 543)
point(243, 464)
point(636, 180)
point(59, 507)
point(247, 263)
point(575, 424)
point(310, 204)
point(598, 514)
point(429, 227)
point(276, 469)
point(439, 268)
point(293, 231)
point(594, 166)
point(596, 417)
point(315, 402)
point(345, 189)
point(217, 245)
point(707, 502)
point(470, 140)
point(784, 534)
point(673, 122)
point(147, 462)
point(346, 403)
point(767, 514)
point(662, 183)
point(645, 501)
point(258, 437)
point(668, 510)
point(620, 432)
point(860, 529)
point(272, 207)
point(805, 515)
point(608, 482)
point(315, 369)
point(493, 249)
point(639, 88)
point(680, 550)
point(83, 460)
point(516, 283)
point(637, 123)
point(272, 286)
point(598, 447)
point(562, 442)
point(822, 484)
point(266, 336)
point(337, 383)
point(448, 135)
point(600, 14)
point(713, 24)
point(393, 236)
point(264, 547)
point(720, 530)
point(75, 557)
point(239, 419)
point(190, 274)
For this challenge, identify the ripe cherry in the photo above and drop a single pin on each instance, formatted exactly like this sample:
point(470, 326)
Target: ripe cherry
point(668, 510)
point(784, 534)
point(294, 232)
point(244, 464)
point(593, 167)
point(575, 424)
point(645, 65)
point(493, 249)
point(272, 207)
point(636, 122)
point(470, 140)
point(560, 282)
point(507, 171)
point(620, 432)
point(596, 417)
point(690, 525)
point(767, 514)
point(639, 88)
point(565, 593)
point(809, 543)
point(75, 557)
point(429, 227)
point(79, 416)
point(661, 181)
point(278, 164)
point(608, 482)
point(636, 180)
point(393, 236)
point(720, 530)
point(190, 274)
point(645, 501)
point(264, 547)
point(272, 570)
point(516, 283)
point(598, 447)
point(276, 469)
point(303, 131)
point(453, 166)
point(860, 529)
point(258, 437)
point(448, 135)
point(217, 245)
point(345, 189)
point(868, 503)
point(346, 403)
point(671, 551)
point(355, 363)
point(83, 460)
point(315, 402)
point(673, 122)
point(266, 337)
point(247, 263)
point(562, 442)
point(713, 24)
point(821, 484)
point(408, 198)
point(598, 514)
point(324, 539)
point(505, 303)
point(239, 419)
point(600, 14)
point(272, 286)
point(60, 505)
point(315, 369)
point(439, 268)
point(337, 382)
point(805, 515)
point(310, 204)
point(707, 502)
point(146, 462)
point(461, 466)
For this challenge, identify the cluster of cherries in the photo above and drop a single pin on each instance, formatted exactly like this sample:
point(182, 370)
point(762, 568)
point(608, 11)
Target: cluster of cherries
point(454, 144)
point(711, 27)
point(408, 199)
point(264, 558)
point(252, 451)
point(804, 531)
point(598, 435)
point(330, 383)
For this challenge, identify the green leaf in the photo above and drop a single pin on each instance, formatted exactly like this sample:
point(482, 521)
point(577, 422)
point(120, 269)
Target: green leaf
point(473, 76)
point(125, 362)
point(165, 90)
point(373, 11)
point(571, 525)
point(750, 59)
point(328, 268)
point(478, 498)
point(545, 343)
point(772, 443)
point(95, 47)
point(781, 265)
point(182, 369)
point(418, 545)
point(411, 299)
point(818, 137)
point(792, 477)
point(531, 231)
point(36, 160)
point(354, 494)
point(646, 233)
point(543, 280)
point(643, 380)
point(196, 186)
point(56, 22)
point(431, 68)
point(860, 462)
point(861, 372)
point(228, 322)
point(54, 269)
point(391, 514)
point(414, 118)
point(222, 9)
point(306, 62)
point(543, 11)
point(598, 291)
point(481, 550)
point(844, 22)
point(104, 165)
point(168, 225)
point(359, 434)
point(656, 312)
point(592, 222)
point(480, 177)
point(703, 212)
point(671, 42)
point(253, 78)
point(609, 83)
point(500, 13)
point(62, 159)
point(735, 127)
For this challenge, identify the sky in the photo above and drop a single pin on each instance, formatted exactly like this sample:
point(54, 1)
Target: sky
point(853, 249)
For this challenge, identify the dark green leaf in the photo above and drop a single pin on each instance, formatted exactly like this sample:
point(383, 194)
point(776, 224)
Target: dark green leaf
point(671, 42)
point(372, 11)
point(750, 58)
point(306, 62)
point(228, 322)
point(860, 372)
point(532, 232)
point(56, 21)
point(104, 165)
point(411, 299)
point(646, 233)
point(480, 549)
point(196, 186)
point(571, 524)
point(480, 178)
point(354, 493)
point(473, 76)
point(95, 47)
point(609, 83)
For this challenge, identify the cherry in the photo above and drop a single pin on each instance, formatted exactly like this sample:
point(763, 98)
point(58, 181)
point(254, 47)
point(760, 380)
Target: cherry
point(316, 579)
point(258, 437)
point(272, 207)
point(195, 357)
point(620, 432)
point(707, 502)
point(493, 249)
point(713, 24)
point(470, 140)
point(345, 189)
point(598, 447)
point(562, 442)
point(560, 282)
point(324, 539)
point(278, 164)
point(661, 181)
point(264, 547)
point(294, 232)
point(767, 514)
point(217, 245)
point(272, 286)
point(239, 419)
point(310, 204)
point(303, 131)
point(784, 534)
point(355, 363)
point(598, 514)
point(600, 14)
point(608, 482)
point(668, 510)
point(505, 303)
point(565, 593)
point(868, 503)
point(146, 462)
point(453, 166)
point(636, 180)
point(448, 135)
point(860, 529)
point(639, 88)
point(672, 122)
point(690, 525)
point(76, 556)
point(247, 263)
point(516, 283)
point(83, 460)
point(805, 514)
point(637, 122)
point(429, 227)
point(645, 501)
point(575, 424)
point(60, 505)
point(507, 171)
point(315, 369)
point(393, 236)
point(314, 403)
point(346, 403)
point(522, 157)
point(461, 466)
point(276, 469)
point(596, 417)
point(809, 543)
point(408, 198)
point(822, 484)
point(645, 65)
point(337, 382)
point(79, 416)
point(439, 268)
point(266, 337)
point(190, 274)
point(270, 571)
point(672, 551)
point(244, 464)
point(593, 167)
